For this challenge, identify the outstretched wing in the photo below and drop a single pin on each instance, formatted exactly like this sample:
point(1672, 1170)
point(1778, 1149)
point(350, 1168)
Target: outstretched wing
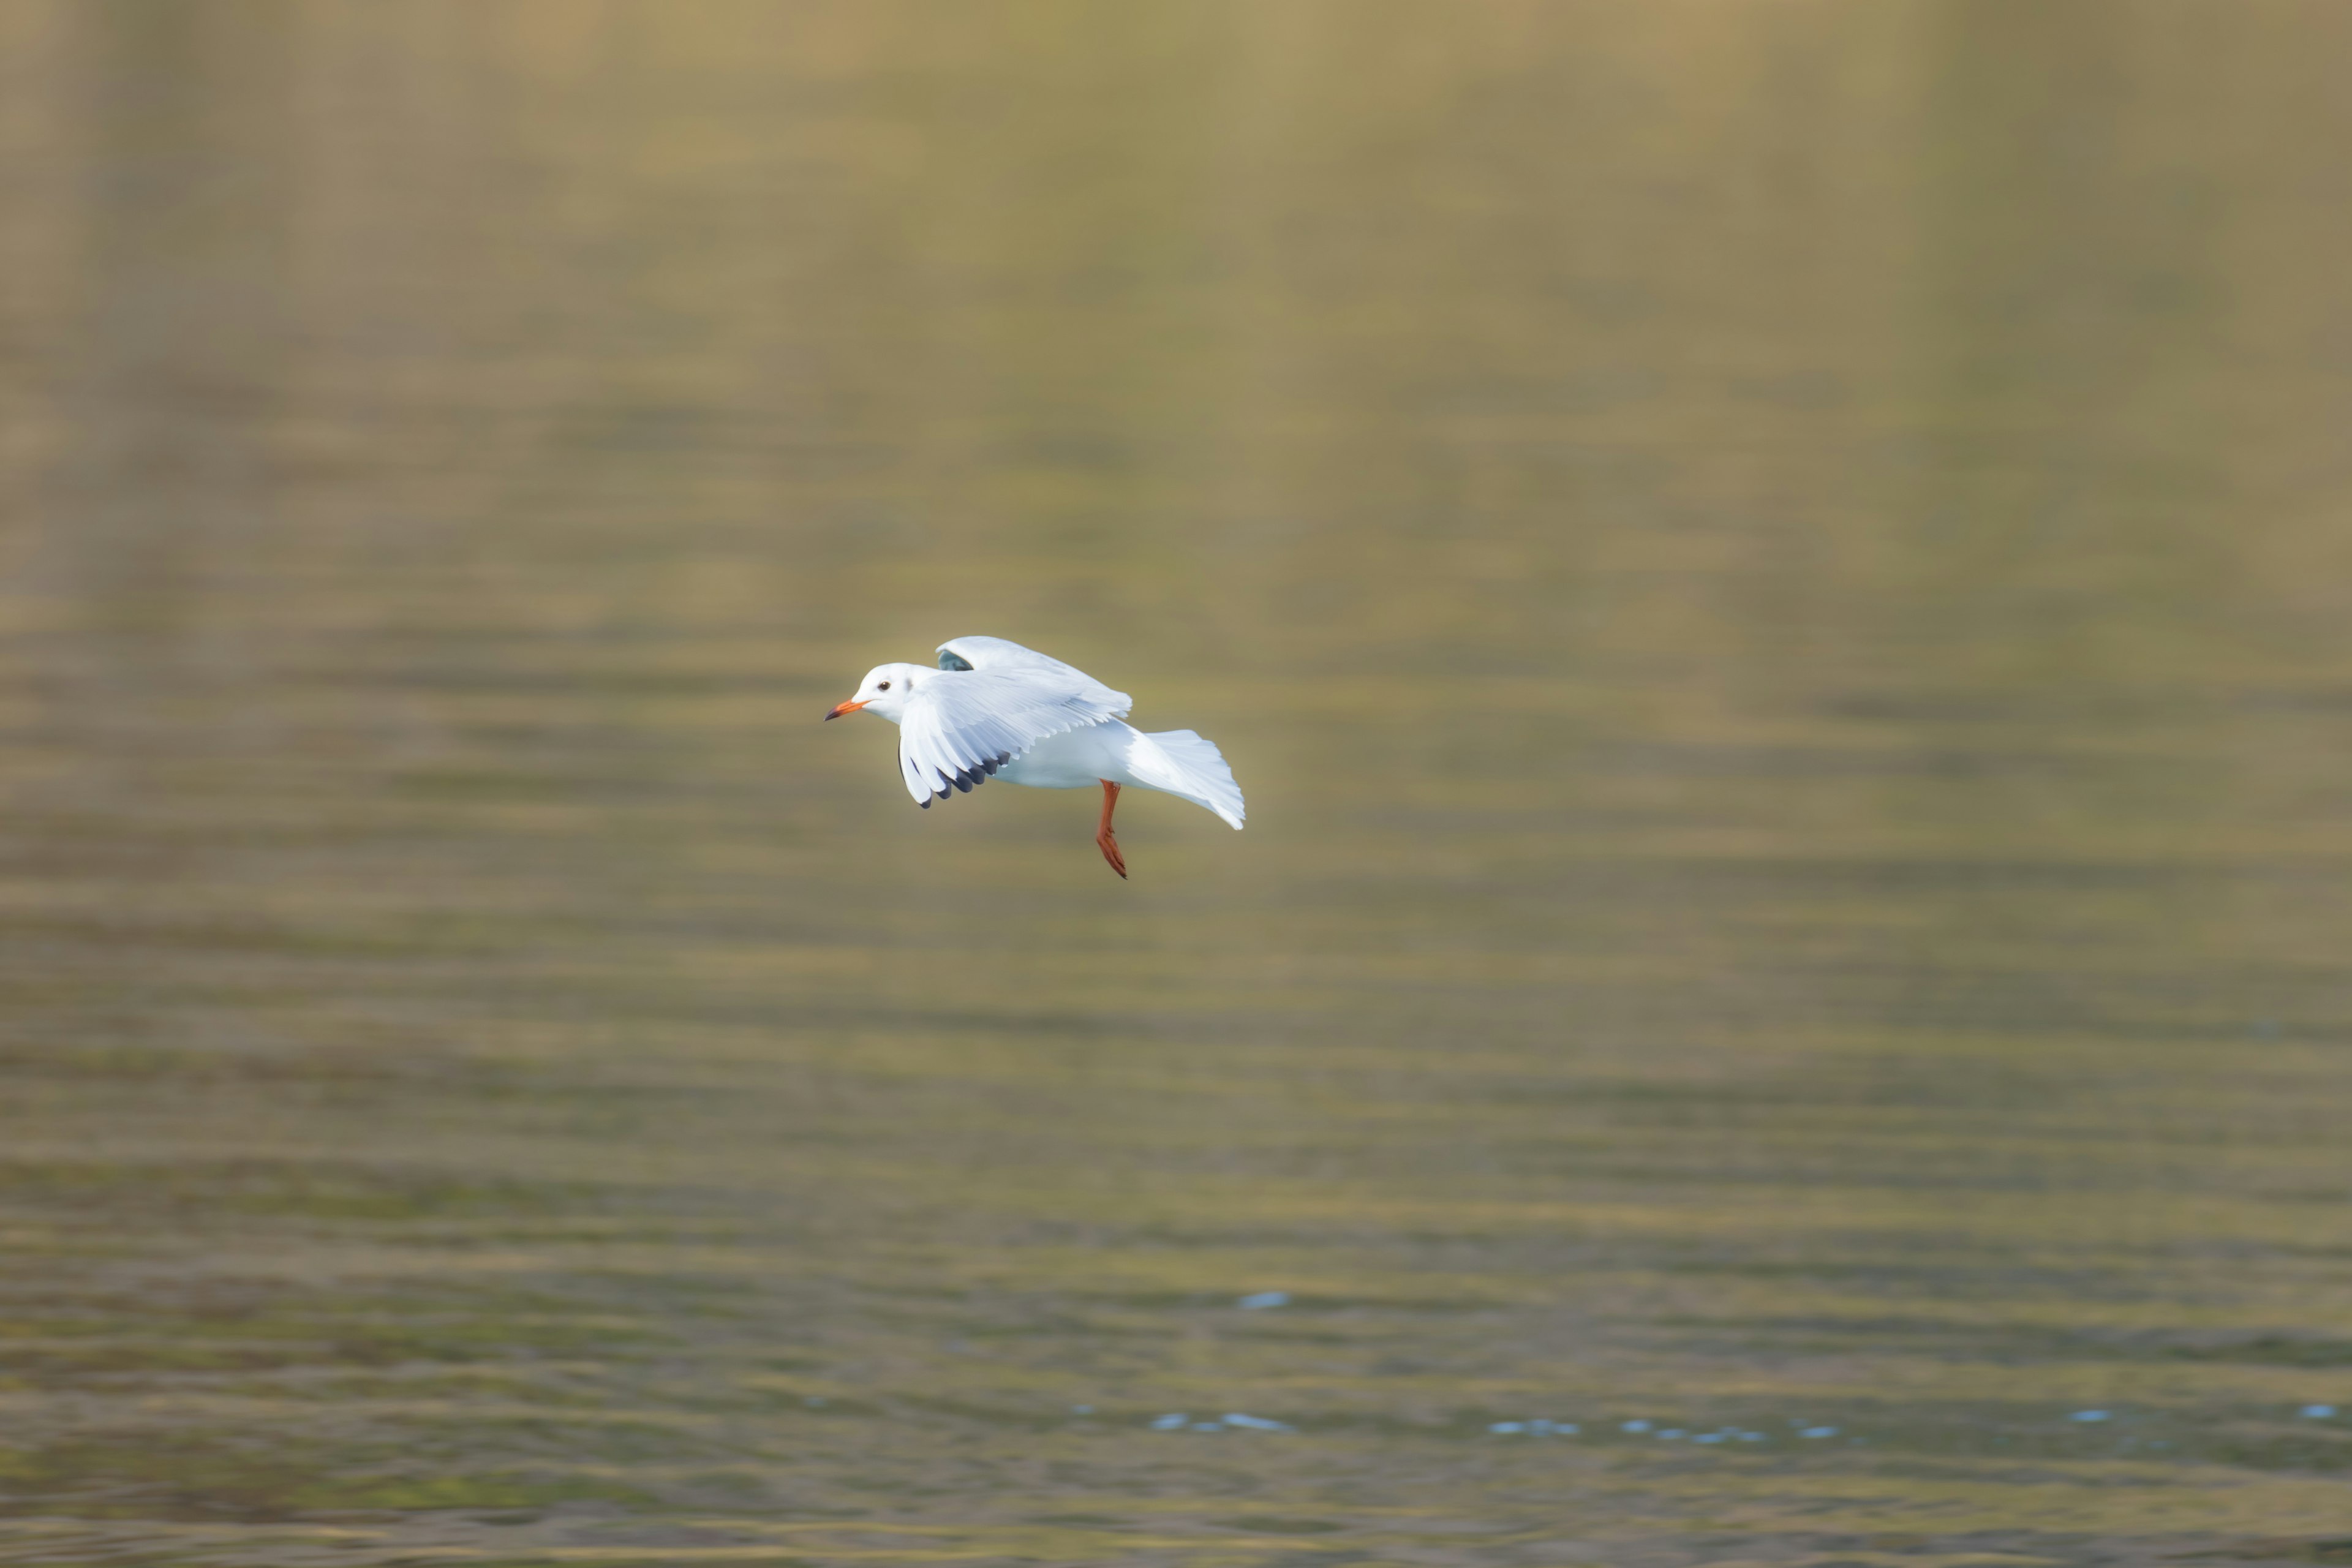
point(960, 726)
point(995, 654)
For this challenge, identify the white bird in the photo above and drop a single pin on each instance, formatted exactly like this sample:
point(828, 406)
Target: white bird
point(994, 709)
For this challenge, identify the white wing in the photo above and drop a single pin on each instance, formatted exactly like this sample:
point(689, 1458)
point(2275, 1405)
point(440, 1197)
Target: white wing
point(991, 655)
point(961, 725)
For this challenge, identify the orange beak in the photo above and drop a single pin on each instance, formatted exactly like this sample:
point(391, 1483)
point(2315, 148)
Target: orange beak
point(840, 709)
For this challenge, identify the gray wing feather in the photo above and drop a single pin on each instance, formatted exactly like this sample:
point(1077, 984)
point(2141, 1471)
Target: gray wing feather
point(960, 726)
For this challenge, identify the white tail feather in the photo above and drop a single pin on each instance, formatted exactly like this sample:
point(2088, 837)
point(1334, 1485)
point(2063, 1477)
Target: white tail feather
point(1184, 764)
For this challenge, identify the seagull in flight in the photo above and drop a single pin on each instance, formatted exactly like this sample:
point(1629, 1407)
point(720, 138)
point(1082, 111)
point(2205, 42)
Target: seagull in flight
point(994, 709)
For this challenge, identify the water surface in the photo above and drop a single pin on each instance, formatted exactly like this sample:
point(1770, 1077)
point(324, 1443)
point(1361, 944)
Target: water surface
point(1780, 579)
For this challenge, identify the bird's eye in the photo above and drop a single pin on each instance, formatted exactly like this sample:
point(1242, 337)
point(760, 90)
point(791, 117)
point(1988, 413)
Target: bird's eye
point(884, 687)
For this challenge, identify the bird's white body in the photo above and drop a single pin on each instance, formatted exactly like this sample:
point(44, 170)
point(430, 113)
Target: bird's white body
point(996, 710)
point(1116, 751)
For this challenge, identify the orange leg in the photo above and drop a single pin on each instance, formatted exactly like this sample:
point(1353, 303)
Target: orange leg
point(1104, 840)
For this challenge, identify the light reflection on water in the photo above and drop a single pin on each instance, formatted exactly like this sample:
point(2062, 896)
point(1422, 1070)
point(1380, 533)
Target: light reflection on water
point(1777, 579)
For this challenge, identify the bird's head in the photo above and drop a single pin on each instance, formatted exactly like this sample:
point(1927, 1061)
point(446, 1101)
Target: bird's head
point(884, 691)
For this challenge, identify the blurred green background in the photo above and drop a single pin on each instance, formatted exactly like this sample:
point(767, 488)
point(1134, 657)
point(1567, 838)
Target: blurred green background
point(1779, 576)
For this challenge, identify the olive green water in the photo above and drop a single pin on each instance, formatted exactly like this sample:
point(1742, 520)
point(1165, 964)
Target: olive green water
point(1780, 579)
